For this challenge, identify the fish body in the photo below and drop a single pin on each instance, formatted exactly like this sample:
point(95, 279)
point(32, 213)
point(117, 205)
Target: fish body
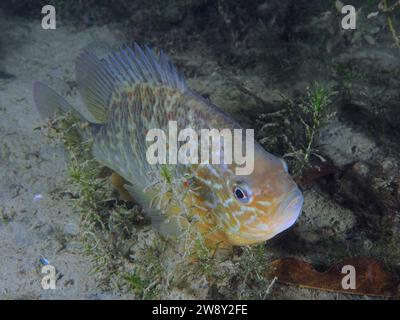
point(135, 90)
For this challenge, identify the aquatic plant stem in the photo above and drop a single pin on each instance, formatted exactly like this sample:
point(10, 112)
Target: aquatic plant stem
point(388, 11)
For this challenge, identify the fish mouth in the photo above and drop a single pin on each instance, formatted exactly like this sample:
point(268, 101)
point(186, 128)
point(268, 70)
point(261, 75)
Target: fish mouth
point(289, 210)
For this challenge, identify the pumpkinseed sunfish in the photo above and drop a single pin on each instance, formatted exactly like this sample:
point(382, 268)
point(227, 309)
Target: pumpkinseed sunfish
point(133, 90)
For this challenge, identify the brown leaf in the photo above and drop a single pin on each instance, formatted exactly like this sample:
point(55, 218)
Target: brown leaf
point(315, 172)
point(371, 278)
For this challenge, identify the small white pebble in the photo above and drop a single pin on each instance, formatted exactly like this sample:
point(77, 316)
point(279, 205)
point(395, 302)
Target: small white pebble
point(372, 15)
point(37, 197)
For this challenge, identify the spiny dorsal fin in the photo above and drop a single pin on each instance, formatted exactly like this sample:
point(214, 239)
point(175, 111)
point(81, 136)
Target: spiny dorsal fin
point(98, 79)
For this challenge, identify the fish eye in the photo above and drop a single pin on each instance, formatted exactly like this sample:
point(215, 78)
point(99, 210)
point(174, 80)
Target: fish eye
point(241, 194)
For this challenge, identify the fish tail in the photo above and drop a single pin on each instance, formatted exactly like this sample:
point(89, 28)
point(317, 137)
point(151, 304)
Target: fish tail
point(49, 103)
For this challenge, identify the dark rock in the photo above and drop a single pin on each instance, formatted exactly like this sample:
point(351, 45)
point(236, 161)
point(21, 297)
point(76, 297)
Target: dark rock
point(6, 75)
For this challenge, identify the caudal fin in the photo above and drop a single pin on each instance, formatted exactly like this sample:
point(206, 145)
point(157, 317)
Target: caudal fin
point(50, 104)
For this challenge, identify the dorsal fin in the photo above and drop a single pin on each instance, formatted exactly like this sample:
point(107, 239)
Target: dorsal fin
point(98, 79)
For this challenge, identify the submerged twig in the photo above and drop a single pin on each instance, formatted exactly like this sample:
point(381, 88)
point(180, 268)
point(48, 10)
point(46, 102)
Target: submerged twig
point(385, 8)
point(241, 87)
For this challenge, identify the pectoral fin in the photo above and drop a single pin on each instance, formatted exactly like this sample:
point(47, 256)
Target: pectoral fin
point(118, 183)
point(167, 227)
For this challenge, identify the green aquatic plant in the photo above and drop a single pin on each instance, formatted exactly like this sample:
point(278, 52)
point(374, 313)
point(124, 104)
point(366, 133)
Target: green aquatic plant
point(127, 254)
point(253, 266)
point(314, 110)
point(89, 193)
point(389, 9)
point(148, 278)
point(90, 190)
point(108, 232)
point(169, 191)
point(293, 130)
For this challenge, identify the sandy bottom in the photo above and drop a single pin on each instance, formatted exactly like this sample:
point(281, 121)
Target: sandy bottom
point(37, 219)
